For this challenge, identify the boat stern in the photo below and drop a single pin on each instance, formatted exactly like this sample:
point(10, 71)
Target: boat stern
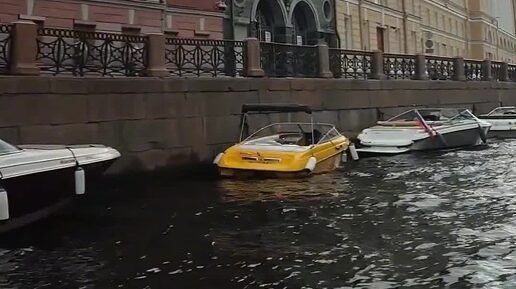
point(238, 159)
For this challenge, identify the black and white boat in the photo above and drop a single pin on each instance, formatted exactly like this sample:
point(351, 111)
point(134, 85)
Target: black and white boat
point(424, 129)
point(36, 180)
point(503, 122)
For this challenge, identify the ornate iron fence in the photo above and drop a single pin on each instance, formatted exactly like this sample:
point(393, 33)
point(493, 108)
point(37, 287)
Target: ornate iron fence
point(350, 63)
point(397, 66)
point(439, 68)
point(5, 48)
point(496, 70)
point(82, 53)
point(286, 60)
point(473, 69)
point(203, 57)
point(511, 72)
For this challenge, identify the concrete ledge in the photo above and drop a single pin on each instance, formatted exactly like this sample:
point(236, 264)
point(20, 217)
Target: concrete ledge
point(173, 122)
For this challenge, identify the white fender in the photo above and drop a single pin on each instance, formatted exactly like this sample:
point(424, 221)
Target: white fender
point(310, 164)
point(353, 151)
point(80, 181)
point(4, 205)
point(217, 158)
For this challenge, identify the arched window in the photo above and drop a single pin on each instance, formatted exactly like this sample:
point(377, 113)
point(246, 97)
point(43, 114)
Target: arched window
point(264, 22)
point(304, 24)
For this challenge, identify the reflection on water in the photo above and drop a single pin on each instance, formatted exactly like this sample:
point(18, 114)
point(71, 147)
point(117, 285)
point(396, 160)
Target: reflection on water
point(410, 221)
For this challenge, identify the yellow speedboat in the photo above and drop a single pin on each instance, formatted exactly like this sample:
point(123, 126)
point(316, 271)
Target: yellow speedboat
point(284, 149)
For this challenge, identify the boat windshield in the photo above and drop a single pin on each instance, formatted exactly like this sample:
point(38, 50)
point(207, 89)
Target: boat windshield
point(294, 134)
point(431, 116)
point(508, 110)
point(6, 148)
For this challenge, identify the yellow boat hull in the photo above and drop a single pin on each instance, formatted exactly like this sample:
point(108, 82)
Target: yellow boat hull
point(241, 161)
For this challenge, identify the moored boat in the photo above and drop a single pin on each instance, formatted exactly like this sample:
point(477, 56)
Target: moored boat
point(36, 180)
point(292, 149)
point(424, 129)
point(503, 122)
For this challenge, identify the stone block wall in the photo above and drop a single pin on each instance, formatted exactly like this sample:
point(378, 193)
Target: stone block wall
point(161, 123)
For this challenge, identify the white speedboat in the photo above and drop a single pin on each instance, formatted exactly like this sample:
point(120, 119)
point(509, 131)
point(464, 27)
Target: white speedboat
point(503, 122)
point(35, 180)
point(424, 129)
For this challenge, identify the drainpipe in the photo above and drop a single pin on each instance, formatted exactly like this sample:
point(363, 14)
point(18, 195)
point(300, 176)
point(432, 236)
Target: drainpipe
point(360, 25)
point(232, 19)
point(405, 16)
point(335, 21)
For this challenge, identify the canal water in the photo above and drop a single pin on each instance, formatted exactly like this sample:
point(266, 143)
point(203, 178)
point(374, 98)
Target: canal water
point(433, 220)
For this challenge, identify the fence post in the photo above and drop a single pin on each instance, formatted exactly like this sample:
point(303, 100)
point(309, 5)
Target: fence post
point(24, 48)
point(377, 65)
point(254, 68)
point(324, 61)
point(504, 74)
point(156, 61)
point(459, 73)
point(487, 74)
point(420, 67)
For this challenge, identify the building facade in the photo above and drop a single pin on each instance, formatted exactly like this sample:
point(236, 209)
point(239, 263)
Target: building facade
point(181, 18)
point(304, 22)
point(481, 29)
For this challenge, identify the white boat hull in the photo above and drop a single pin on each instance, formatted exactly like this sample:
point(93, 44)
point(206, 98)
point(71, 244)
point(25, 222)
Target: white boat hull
point(402, 140)
point(501, 127)
point(40, 179)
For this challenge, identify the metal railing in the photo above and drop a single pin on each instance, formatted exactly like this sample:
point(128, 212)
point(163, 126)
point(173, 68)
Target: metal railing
point(5, 48)
point(82, 53)
point(473, 69)
point(511, 72)
point(399, 66)
point(439, 68)
point(204, 57)
point(286, 60)
point(496, 70)
point(351, 64)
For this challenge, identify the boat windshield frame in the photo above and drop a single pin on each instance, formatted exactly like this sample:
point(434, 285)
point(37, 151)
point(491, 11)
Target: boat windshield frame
point(417, 113)
point(501, 108)
point(331, 128)
point(7, 148)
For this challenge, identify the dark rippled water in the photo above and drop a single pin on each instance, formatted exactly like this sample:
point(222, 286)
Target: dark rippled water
point(438, 220)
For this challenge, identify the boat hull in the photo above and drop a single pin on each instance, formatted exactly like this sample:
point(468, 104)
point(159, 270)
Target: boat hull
point(54, 189)
point(324, 166)
point(502, 127)
point(446, 140)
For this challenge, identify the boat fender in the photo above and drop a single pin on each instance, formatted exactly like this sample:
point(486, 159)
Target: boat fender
point(344, 157)
point(80, 181)
point(310, 164)
point(217, 158)
point(353, 151)
point(4, 205)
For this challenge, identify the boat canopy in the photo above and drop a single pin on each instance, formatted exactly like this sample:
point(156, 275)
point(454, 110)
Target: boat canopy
point(274, 107)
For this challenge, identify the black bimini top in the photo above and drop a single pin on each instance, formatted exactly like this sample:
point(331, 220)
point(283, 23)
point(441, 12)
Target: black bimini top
point(276, 107)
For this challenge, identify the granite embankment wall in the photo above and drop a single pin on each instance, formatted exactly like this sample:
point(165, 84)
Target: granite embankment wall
point(164, 123)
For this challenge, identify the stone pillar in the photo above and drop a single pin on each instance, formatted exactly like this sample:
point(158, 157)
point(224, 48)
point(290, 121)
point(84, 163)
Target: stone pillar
point(504, 75)
point(24, 48)
point(377, 65)
point(156, 60)
point(324, 61)
point(420, 68)
point(487, 74)
point(254, 68)
point(459, 73)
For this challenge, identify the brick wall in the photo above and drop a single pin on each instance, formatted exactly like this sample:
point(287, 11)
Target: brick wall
point(111, 17)
point(158, 123)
